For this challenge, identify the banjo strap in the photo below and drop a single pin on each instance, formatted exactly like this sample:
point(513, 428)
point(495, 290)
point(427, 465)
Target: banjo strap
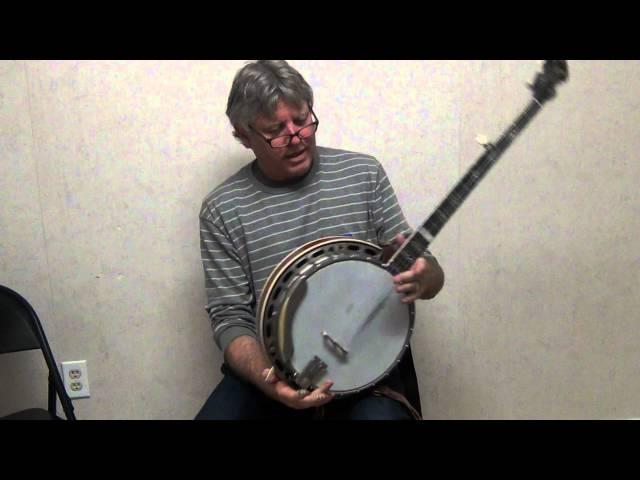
point(384, 391)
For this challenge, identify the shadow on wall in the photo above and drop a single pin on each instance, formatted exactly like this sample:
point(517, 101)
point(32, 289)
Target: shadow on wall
point(26, 375)
point(218, 165)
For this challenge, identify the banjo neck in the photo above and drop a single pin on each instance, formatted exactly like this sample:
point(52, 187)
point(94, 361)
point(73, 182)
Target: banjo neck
point(554, 72)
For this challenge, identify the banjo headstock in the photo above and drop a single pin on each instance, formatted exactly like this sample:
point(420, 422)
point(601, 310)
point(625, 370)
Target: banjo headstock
point(553, 73)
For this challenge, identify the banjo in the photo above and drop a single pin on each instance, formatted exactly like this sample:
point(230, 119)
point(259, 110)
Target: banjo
point(328, 309)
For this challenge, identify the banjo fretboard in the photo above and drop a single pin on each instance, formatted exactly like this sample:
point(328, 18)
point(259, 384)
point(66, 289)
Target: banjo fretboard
point(416, 245)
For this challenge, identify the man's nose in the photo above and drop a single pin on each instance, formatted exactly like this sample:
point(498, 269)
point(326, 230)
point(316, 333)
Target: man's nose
point(291, 130)
point(295, 139)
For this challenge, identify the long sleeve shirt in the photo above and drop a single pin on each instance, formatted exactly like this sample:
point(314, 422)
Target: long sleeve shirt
point(248, 224)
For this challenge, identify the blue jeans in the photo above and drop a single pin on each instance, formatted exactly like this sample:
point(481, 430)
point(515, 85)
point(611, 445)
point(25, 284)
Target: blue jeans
point(236, 399)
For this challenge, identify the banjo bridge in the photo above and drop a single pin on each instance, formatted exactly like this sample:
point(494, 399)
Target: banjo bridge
point(343, 352)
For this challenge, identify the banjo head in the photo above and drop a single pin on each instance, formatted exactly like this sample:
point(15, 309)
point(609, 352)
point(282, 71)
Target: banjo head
point(334, 304)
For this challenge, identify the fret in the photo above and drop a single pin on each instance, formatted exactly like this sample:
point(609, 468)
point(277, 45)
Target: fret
point(415, 246)
point(422, 243)
point(444, 212)
point(425, 235)
point(413, 250)
point(407, 260)
point(401, 263)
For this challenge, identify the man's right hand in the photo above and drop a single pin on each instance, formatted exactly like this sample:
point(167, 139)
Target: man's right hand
point(279, 390)
point(245, 357)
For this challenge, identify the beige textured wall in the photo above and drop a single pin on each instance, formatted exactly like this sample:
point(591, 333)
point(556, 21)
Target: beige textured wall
point(103, 165)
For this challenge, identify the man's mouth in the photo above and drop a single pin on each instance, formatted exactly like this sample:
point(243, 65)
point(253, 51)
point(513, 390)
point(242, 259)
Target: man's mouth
point(294, 155)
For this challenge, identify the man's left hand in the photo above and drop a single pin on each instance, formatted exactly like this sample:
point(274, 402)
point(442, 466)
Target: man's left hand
point(423, 280)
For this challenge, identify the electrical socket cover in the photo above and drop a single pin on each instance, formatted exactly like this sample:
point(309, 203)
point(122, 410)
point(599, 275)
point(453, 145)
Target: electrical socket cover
point(76, 379)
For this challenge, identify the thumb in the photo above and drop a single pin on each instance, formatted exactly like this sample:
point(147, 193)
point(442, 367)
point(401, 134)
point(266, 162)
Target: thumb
point(389, 249)
point(399, 240)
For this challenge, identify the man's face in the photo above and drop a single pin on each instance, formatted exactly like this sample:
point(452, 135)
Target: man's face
point(288, 162)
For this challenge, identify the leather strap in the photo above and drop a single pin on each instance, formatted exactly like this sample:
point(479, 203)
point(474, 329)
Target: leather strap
point(388, 392)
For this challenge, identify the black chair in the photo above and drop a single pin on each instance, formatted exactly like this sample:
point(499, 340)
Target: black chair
point(20, 330)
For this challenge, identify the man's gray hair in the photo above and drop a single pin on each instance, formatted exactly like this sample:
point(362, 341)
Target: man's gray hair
point(259, 86)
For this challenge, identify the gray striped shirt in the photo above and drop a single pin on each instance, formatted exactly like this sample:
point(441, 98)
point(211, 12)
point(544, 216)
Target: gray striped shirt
point(247, 226)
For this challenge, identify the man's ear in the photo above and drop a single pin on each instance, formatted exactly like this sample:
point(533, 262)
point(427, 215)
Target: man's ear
point(242, 136)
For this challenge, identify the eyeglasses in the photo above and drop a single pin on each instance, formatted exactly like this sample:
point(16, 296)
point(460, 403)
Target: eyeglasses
point(284, 140)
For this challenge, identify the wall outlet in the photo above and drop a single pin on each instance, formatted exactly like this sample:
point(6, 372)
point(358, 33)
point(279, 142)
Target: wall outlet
point(76, 379)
